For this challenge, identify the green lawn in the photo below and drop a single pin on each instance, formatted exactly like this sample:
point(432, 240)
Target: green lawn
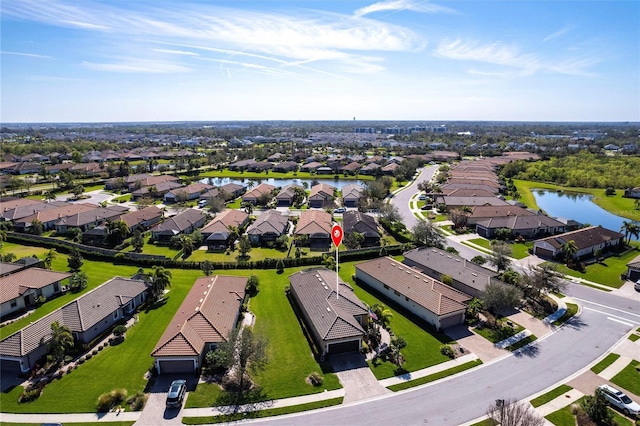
point(423, 344)
point(231, 418)
point(256, 253)
point(562, 417)
point(607, 272)
point(629, 377)
point(520, 250)
point(550, 396)
point(616, 204)
point(572, 309)
point(497, 335)
point(634, 337)
point(607, 361)
point(436, 376)
point(160, 250)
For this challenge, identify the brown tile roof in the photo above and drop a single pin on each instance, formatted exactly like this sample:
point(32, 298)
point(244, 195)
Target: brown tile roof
point(181, 221)
point(269, 221)
point(207, 315)
point(499, 211)
point(322, 189)
point(258, 191)
point(96, 215)
point(314, 222)
point(13, 285)
point(332, 317)
point(134, 218)
point(429, 293)
point(79, 315)
point(584, 238)
point(194, 188)
point(224, 220)
point(50, 215)
point(9, 203)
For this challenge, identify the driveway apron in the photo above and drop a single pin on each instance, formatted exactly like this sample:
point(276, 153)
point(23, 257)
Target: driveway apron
point(356, 377)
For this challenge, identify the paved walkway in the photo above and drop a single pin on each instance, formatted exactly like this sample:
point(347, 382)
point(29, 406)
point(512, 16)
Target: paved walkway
point(356, 378)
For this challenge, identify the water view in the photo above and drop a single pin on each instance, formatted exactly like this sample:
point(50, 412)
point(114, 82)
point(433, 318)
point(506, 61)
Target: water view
point(283, 182)
point(576, 206)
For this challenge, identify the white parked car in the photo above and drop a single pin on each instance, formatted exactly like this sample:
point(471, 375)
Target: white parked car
point(620, 400)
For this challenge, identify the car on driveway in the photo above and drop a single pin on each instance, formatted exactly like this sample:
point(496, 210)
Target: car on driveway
point(340, 210)
point(176, 393)
point(620, 400)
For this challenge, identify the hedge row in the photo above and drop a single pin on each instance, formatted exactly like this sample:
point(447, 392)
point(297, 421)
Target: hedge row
point(146, 260)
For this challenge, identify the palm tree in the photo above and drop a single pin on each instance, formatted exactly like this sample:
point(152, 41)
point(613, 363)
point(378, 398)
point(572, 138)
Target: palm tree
point(248, 207)
point(49, 258)
point(383, 314)
point(626, 228)
point(634, 230)
point(117, 231)
point(49, 196)
point(160, 279)
point(185, 243)
point(569, 249)
point(61, 341)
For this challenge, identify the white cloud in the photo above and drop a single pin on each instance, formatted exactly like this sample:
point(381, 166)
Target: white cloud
point(556, 34)
point(309, 39)
point(176, 52)
point(510, 56)
point(29, 55)
point(137, 66)
point(398, 5)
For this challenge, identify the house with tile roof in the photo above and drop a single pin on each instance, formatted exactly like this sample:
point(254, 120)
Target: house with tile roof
point(355, 221)
point(286, 196)
point(90, 219)
point(142, 219)
point(351, 194)
point(189, 192)
point(588, 240)
point(466, 276)
point(87, 317)
point(259, 194)
point(182, 223)
point(217, 232)
point(206, 317)
point(321, 196)
point(161, 189)
point(49, 216)
point(633, 269)
point(436, 303)
point(316, 224)
point(270, 225)
point(21, 288)
point(332, 313)
point(529, 226)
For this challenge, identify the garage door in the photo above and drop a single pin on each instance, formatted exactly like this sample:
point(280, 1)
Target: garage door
point(450, 321)
point(182, 366)
point(342, 347)
point(9, 366)
point(544, 253)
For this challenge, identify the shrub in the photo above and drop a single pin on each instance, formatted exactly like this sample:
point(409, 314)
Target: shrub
point(119, 330)
point(137, 401)
point(94, 352)
point(88, 356)
point(108, 400)
point(315, 379)
point(447, 350)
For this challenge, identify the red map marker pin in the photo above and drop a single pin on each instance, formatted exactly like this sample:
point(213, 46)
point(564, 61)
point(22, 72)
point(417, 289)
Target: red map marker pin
point(336, 234)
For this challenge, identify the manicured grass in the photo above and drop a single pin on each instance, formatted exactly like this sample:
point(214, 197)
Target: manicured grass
point(607, 272)
point(121, 199)
point(498, 335)
point(290, 356)
point(616, 204)
point(521, 343)
point(159, 250)
point(435, 376)
point(629, 378)
point(550, 396)
point(634, 337)
point(440, 218)
point(482, 242)
point(96, 272)
point(562, 417)
point(520, 250)
point(572, 309)
point(121, 366)
point(607, 361)
point(423, 343)
point(619, 419)
point(485, 422)
point(256, 253)
point(261, 413)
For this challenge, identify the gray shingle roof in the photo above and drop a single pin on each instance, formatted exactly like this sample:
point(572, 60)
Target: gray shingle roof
point(333, 317)
point(270, 221)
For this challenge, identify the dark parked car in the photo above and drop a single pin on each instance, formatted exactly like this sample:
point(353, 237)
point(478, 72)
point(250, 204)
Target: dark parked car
point(177, 390)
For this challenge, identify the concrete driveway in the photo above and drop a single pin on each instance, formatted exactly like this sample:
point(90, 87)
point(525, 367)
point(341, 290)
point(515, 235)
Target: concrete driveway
point(155, 411)
point(356, 377)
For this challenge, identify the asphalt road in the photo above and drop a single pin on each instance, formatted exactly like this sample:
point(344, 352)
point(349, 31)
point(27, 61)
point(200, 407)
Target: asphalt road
point(460, 400)
point(401, 199)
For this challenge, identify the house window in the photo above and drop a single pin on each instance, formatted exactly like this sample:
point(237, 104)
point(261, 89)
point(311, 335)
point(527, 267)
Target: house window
point(14, 303)
point(386, 287)
point(396, 292)
point(116, 315)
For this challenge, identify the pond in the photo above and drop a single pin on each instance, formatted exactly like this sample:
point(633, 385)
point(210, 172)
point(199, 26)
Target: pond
point(576, 206)
point(284, 182)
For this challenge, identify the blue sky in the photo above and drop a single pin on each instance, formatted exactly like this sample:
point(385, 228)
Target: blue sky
point(543, 60)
